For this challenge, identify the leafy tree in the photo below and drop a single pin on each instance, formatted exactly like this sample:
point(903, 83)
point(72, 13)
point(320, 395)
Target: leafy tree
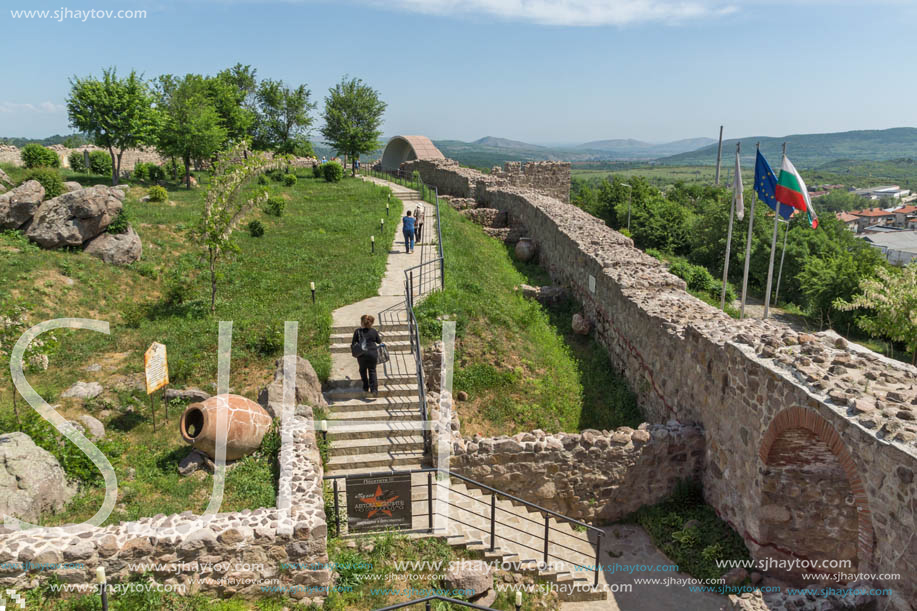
point(891, 297)
point(283, 116)
point(353, 115)
point(228, 200)
point(191, 127)
point(232, 93)
point(116, 112)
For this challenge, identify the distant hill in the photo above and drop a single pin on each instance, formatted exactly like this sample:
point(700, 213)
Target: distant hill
point(505, 143)
point(812, 150)
point(491, 150)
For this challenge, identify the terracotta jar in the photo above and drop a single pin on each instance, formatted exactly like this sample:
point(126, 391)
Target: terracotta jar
point(525, 249)
point(246, 424)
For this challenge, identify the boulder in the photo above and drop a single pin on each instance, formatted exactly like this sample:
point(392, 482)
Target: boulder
point(475, 576)
point(116, 248)
point(18, 205)
point(31, 480)
point(581, 325)
point(308, 388)
point(72, 185)
point(74, 218)
point(191, 463)
point(188, 394)
point(92, 426)
point(83, 390)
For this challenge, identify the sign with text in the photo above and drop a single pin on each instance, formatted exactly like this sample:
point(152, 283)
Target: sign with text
point(156, 366)
point(379, 503)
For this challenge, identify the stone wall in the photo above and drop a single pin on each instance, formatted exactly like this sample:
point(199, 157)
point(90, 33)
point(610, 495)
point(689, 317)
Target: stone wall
point(745, 382)
point(598, 476)
point(549, 177)
point(10, 154)
point(230, 554)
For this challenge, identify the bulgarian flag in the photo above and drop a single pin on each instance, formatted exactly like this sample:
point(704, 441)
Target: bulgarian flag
point(791, 190)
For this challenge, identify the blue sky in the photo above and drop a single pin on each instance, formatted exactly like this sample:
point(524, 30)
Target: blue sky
point(544, 71)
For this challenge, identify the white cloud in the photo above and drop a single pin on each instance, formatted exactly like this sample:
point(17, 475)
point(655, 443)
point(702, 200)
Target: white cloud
point(40, 108)
point(570, 12)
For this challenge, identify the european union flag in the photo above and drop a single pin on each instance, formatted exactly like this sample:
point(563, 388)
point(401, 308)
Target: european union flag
point(766, 186)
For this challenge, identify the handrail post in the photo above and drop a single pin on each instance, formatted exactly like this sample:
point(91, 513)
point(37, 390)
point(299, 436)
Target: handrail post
point(598, 559)
point(493, 521)
point(547, 528)
point(337, 511)
point(430, 500)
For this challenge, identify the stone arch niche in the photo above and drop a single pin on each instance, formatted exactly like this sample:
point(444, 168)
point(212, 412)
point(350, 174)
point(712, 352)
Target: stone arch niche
point(813, 503)
point(408, 148)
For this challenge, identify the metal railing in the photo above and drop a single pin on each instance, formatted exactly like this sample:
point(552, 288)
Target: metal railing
point(547, 514)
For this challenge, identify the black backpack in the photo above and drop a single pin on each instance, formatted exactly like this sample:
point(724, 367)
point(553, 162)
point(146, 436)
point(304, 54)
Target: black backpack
point(359, 348)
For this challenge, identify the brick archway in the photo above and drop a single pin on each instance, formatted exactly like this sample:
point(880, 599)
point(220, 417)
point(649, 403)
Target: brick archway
point(810, 421)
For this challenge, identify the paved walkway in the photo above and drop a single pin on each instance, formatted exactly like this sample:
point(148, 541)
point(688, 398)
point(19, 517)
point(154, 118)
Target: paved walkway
point(379, 433)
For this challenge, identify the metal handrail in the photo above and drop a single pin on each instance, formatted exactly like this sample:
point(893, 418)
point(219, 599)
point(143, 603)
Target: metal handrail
point(428, 599)
point(548, 513)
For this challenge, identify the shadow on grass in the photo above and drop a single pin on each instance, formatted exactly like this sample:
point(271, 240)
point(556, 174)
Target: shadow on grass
point(126, 422)
point(167, 462)
point(608, 400)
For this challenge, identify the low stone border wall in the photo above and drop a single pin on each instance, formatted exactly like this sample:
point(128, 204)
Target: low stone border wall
point(230, 554)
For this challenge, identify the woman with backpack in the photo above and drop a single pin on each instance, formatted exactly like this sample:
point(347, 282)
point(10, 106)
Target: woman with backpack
point(365, 346)
point(407, 228)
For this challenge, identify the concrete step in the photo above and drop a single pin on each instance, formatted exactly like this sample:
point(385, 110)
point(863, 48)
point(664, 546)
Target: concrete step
point(400, 459)
point(355, 391)
point(356, 429)
point(376, 445)
point(387, 337)
point(400, 378)
point(378, 415)
point(399, 325)
point(356, 405)
point(393, 347)
point(365, 470)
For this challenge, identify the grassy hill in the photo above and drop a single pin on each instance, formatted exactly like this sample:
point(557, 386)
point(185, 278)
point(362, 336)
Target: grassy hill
point(812, 150)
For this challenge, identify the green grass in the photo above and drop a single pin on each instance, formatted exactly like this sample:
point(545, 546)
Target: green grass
point(689, 532)
point(322, 237)
point(520, 363)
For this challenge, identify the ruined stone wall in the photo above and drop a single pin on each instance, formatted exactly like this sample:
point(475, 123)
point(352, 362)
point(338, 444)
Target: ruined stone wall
point(594, 475)
point(231, 554)
point(549, 177)
point(744, 381)
point(11, 154)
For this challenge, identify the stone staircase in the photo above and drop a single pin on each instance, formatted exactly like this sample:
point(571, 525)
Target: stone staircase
point(369, 434)
point(366, 433)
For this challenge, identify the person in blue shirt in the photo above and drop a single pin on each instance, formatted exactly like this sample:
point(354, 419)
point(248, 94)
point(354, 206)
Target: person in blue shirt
point(407, 228)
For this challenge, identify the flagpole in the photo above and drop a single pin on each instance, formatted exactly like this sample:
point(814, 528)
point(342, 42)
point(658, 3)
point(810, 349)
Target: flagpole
point(751, 223)
point(770, 267)
point(732, 212)
point(786, 230)
point(719, 152)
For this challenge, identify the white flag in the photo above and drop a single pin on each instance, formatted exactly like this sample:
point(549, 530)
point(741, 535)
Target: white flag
point(738, 191)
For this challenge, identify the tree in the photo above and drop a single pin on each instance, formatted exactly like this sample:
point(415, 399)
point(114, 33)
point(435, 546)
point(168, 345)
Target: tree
point(232, 93)
point(353, 115)
point(191, 127)
point(117, 113)
point(891, 298)
point(228, 200)
point(283, 116)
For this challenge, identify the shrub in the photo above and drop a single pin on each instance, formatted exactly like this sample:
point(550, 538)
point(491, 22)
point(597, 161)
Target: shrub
point(289, 179)
point(332, 171)
point(276, 174)
point(120, 224)
point(173, 169)
point(100, 163)
point(275, 205)
point(76, 161)
point(256, 229)
point(49, 178)
point(317, 171)
point(157, 193)
point(147, 171)
point(180, 281)
point(262, 179)
point(36, 156)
